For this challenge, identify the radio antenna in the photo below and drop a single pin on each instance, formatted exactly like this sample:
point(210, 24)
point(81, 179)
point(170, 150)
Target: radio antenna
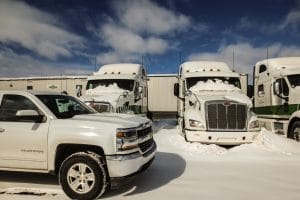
point(95, 63)
point(268, 56)
point(180, 58)
point(233, 61)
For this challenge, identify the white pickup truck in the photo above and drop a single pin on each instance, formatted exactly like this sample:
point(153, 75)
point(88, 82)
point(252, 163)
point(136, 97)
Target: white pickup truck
point(56, 133)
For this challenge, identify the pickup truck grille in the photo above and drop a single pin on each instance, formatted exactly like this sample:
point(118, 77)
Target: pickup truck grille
point(226, 116)
point(101, 107)
point(145, 146)
point(144, 132)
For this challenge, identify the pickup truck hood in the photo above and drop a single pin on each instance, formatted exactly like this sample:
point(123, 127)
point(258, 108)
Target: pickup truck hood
point(122, 120)
point(223, 95)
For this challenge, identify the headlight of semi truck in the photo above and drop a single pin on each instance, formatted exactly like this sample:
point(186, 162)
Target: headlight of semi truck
point(254, 124)
point(126, 139)
point(196, 124)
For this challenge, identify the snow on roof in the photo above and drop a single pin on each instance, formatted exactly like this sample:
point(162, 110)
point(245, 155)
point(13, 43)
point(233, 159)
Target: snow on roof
point(214, 85)
point(121, 68)
point(275, 64)
point(42, 78)
point(204, 66)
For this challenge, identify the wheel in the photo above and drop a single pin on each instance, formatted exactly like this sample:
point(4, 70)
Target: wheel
point(295, 131)
point(82, 176)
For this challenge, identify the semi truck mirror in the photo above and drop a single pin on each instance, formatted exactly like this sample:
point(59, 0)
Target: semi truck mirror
point(188, 93)
point(125, 94)
point(261, 93)
point(176, 89)
point(276, 88)
point(250, 91)
point(140, 89)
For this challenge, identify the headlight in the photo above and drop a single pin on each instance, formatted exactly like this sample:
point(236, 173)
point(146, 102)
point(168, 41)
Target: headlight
point(196, 124)
point(89, 103)
point(254, 124)
point(126, 139)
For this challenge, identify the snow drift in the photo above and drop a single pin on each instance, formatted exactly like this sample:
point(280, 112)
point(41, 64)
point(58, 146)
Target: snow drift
point(266, 169)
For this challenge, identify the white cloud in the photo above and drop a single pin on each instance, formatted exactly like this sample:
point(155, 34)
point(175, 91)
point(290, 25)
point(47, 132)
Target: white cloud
point(14, 65)
point(140, 27)
point(35, 30)
point(124, 40)
point(147, 16)
point(117, 57)
point(291, 20)
point(245, 23)
point(246, 55)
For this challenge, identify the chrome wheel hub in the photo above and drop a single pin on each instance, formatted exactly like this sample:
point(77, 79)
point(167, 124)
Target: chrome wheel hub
point(81, 178)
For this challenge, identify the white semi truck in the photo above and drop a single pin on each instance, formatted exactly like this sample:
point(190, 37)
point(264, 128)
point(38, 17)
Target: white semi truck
point(55, 133)
point(276, 84)
point(126, 88)
point(211, 105)
point(120, 88)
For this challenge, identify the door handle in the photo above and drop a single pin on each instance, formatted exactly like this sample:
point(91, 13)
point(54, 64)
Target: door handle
point(2, 130)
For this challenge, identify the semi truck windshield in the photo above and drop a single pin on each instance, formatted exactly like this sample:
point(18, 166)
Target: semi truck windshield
point(124, 84)
point(294, 80)
point(190, 82)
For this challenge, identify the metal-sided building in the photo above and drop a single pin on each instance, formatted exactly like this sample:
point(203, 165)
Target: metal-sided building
point(69, 84)
point(161, 100)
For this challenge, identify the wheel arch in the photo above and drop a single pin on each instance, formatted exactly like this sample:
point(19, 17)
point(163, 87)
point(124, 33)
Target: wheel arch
point(67, 149)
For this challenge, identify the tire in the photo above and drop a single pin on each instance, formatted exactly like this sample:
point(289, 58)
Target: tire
point(295, 131)
point(87, 174)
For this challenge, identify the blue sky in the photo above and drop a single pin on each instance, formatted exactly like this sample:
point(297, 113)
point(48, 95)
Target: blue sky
point(60, 37)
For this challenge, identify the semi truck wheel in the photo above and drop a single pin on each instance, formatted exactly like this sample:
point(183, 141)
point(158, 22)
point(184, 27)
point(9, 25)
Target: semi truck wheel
point(295, 131)
point(82, 176)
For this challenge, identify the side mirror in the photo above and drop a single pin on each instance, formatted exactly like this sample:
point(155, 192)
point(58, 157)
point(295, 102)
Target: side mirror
point(261, 93)
point(176, 89)
point(25, 113)
point(250, 91)
point(125, 94)
point(188, 93)
point(30, 115)
point(140, 89)
point(276, 88)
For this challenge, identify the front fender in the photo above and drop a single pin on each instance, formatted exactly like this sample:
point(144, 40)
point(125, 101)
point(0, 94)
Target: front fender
point(82, 133)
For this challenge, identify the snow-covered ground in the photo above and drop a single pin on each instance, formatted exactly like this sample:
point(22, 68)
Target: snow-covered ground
point(267, 169)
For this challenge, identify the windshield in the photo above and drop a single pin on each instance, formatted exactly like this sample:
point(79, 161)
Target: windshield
point(64, 107)
point(294, 80)
point(235, 81)
point(124, 84)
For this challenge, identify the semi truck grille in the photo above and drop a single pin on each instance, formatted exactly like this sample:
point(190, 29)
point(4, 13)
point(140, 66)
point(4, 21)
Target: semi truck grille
point(101, 107)
point(144, 146)
point(226, 116)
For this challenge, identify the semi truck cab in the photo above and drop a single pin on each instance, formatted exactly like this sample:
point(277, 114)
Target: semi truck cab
point(211, 105)
point(276, 94)
point(118, 88)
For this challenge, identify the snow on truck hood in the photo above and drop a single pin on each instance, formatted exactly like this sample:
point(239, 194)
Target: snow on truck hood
point(219, 90)
point(111, 93)
point(124, 120)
